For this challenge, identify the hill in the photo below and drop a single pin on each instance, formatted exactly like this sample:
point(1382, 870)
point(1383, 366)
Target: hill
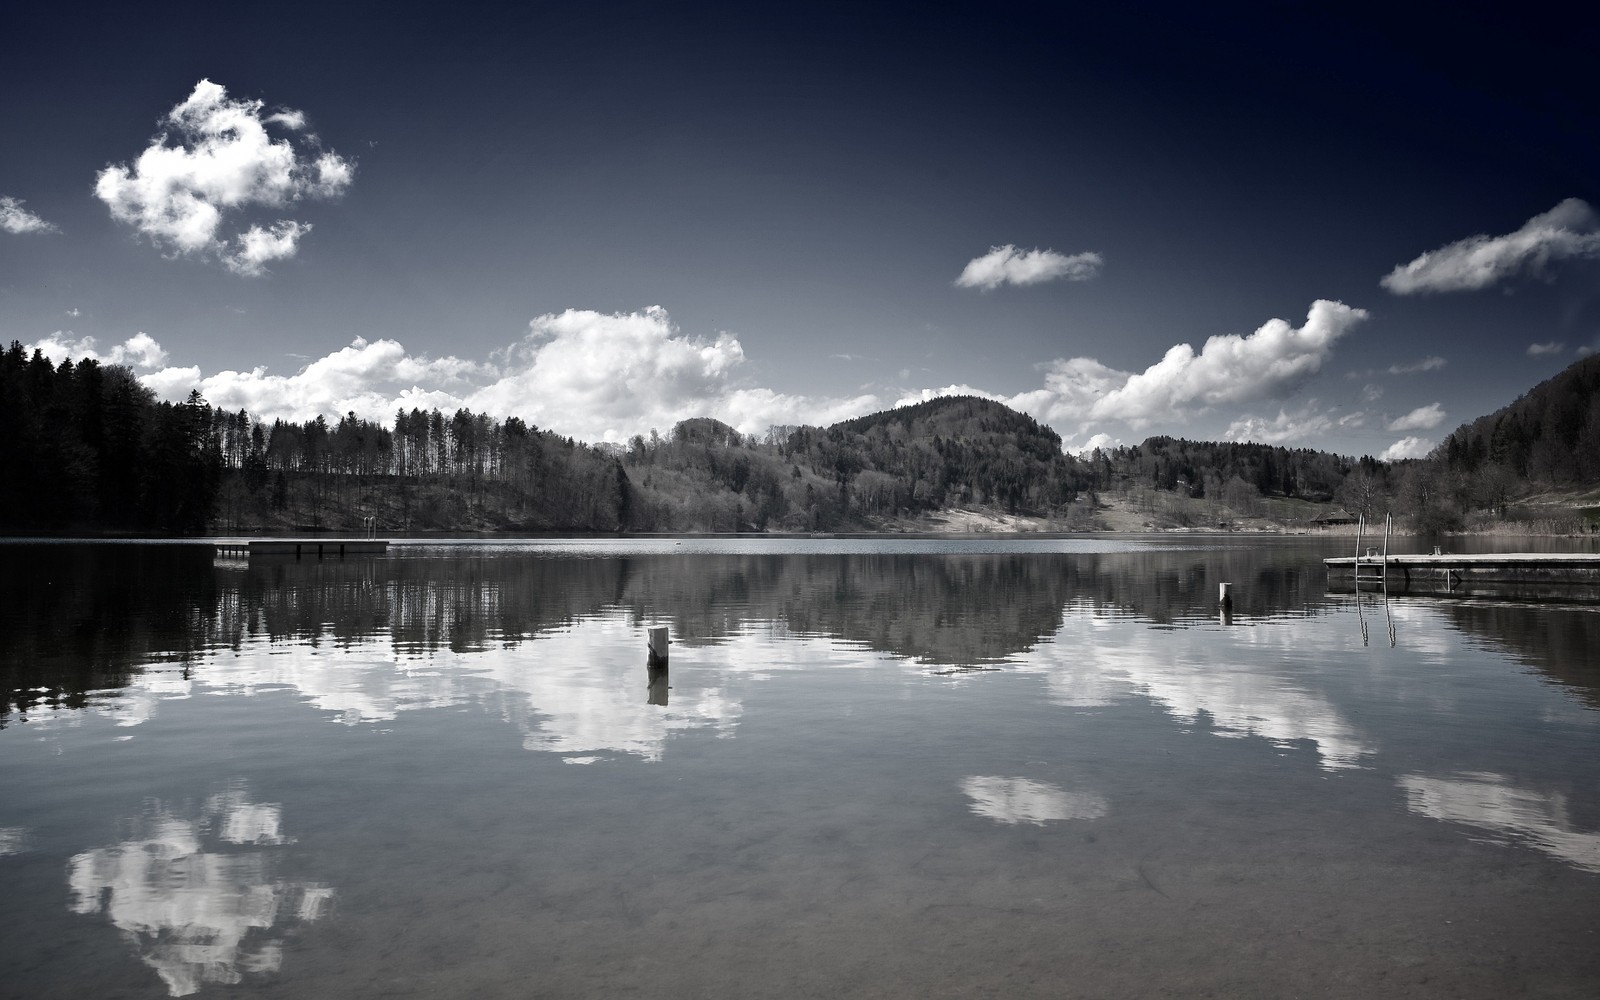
point(101, 455)
point(1550, 436)
point(853, 475)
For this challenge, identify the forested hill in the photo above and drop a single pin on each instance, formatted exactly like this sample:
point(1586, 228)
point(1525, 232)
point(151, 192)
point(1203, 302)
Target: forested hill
point(1550, 435)
point(899, 463)
point(92, 450)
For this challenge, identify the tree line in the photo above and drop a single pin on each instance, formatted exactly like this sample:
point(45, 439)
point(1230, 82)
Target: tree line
point(99, 452)
point(87, 444)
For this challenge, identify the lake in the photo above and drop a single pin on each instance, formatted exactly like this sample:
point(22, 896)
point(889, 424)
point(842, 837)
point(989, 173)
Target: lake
point(919, 768)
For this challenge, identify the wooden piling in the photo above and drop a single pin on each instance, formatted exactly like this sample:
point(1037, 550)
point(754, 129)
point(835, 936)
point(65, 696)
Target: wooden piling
point(658, 646)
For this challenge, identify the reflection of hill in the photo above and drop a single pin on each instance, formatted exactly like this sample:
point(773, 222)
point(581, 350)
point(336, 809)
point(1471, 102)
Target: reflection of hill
point(1558, 642)
point(944, 609)
point(84, 618)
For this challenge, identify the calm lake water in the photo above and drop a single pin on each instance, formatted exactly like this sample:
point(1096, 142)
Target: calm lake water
point(873, 768)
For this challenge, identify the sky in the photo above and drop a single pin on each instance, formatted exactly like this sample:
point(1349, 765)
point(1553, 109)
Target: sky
point(1349, 229)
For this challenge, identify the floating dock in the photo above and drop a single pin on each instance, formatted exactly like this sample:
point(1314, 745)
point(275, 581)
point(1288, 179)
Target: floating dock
point(1573, 574)
point(304, 548)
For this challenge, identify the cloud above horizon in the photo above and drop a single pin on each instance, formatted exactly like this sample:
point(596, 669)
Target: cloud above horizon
point(1304, 423)
point(1006, 265)
point(1571, 230)
point(19, 221)
point(1423, 418)
point(607, 376)
point(1407, 447)
point(215, 160)
point(138, 351)
point(589, 375)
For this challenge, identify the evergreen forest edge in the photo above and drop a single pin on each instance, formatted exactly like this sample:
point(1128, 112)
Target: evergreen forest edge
point(93, 451)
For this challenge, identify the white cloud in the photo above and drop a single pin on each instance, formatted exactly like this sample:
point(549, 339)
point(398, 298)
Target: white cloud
point(138, 351)
point(370, 379)
point(1535, 350)
point(1407, 447)
point(1298, 426)
point(17, 220)
point(593, 376)
point(218, 161)
point(607, 376)
point(258, 246)
point(1232, 369)
point(1268, 364)
point(1101, 442)
point(1570, 230)
point(1423, 418)
point(288, 118)
point(1430, 363)
point(74, 312)
point(1004, 265)
point(1427, 364)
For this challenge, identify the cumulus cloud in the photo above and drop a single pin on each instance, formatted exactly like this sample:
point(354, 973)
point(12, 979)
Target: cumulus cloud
point(1297, 426)
point(257, 246)
point(590, 375)
point(611, 375)
point(1423, 418)
point(1097, 442)
point(1407, 447)
point(1006, 265)
point(138, 351)
point(603, 377)
point(1570, 230)
point(1535, 350)
point(17, 220)
point(1268, 364)
point(215, 160)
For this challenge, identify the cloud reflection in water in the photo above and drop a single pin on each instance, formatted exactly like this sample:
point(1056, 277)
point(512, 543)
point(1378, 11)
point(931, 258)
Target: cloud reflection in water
point(1023, 800)
point(1491, 802)
point(197, 911)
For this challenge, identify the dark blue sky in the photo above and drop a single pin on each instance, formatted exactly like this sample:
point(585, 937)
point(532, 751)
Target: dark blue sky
point(798, 190)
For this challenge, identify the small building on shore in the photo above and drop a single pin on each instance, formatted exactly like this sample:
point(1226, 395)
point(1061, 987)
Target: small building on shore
point(1336, 516)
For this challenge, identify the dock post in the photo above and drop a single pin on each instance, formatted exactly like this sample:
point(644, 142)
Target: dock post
point(658, 646)
point(1224, 595)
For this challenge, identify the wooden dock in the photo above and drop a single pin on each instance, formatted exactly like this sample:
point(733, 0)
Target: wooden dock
point(304, 548)
point(1448, 572)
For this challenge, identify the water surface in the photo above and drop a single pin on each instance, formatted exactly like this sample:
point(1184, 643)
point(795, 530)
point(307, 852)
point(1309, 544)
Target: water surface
point(873, 768)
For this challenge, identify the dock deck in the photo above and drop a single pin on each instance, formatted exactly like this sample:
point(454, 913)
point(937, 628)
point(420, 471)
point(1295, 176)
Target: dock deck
point(1453, 572)
point(304, 548)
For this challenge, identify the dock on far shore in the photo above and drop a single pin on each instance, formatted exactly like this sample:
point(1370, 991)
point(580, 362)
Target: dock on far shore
point(303, 548)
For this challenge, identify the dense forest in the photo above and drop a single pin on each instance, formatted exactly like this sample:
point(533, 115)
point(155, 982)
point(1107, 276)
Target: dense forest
point(104, 455)
point(87, 444)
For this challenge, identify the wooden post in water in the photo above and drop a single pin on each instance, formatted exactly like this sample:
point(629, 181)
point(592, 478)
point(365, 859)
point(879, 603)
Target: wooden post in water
point(658, 646)
point(1224, 597)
